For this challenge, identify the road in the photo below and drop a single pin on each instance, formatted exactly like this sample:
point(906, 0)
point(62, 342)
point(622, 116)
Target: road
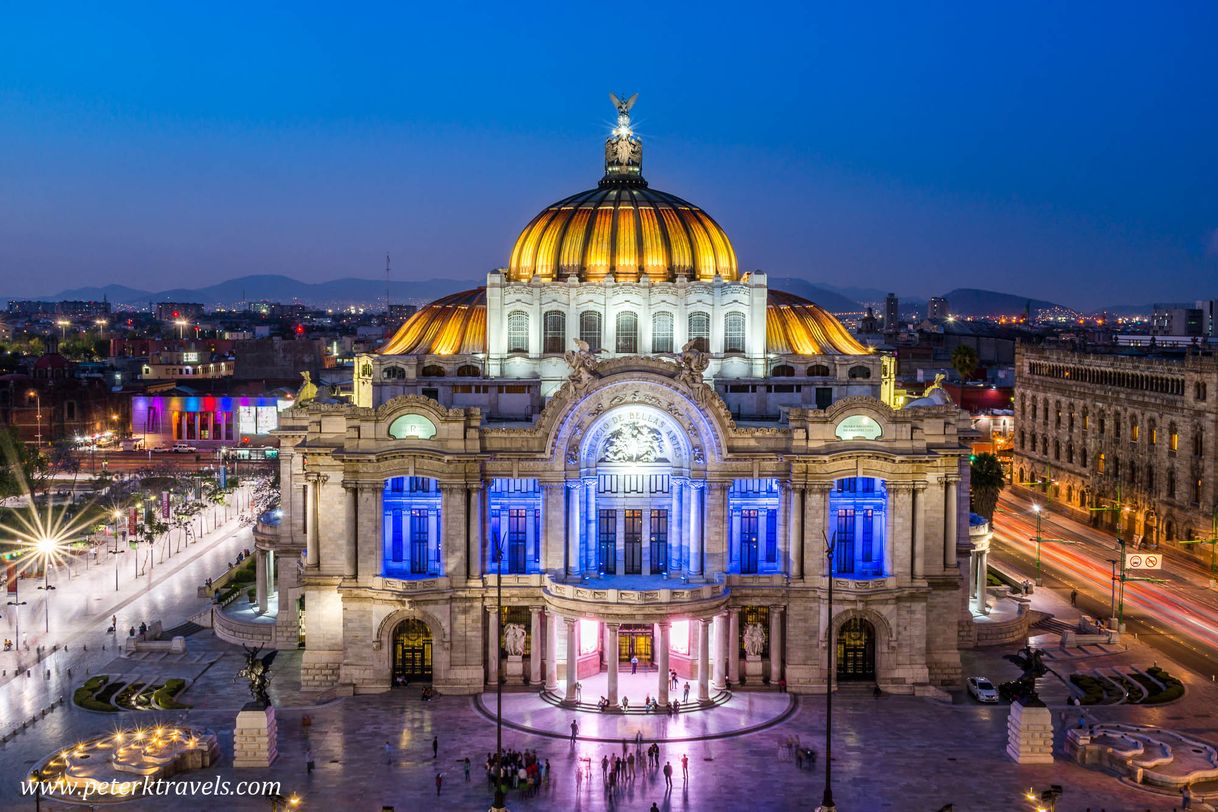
point(114, 461)
point(84, 599)
point(1178, 617)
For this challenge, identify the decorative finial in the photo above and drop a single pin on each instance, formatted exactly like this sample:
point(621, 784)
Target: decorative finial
point(623, 149)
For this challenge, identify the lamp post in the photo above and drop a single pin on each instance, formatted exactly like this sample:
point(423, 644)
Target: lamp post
point(17, 603)
point(1040, 539)
point(47, 548)
point(181, 323)
point(118, 514)
point(499, 620)
point(826, 804)
point(1212, 541)
point(33, 393)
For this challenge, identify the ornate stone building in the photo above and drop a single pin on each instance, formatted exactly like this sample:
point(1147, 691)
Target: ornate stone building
point(1092, 426)
point(649, 452)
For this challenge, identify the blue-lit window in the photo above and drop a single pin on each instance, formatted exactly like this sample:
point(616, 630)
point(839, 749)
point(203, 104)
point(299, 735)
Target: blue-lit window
point(868, 537)
point(843, 542)
point(858, 508)
point(606, 541)
point(753, 509)
point(419, 519)
point(517, 541)
point(771, 536)
point(748, 541)
point(410, 532)
point(515, 514)
point(659, 542)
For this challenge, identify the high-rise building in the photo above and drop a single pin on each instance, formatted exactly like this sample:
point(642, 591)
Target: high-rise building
point(892, 313)
point(1177, 320)
point(937, 309)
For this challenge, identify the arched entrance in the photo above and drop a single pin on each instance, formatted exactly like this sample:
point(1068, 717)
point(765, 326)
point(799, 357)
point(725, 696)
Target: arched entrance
point(856, 650)
point(411, 651)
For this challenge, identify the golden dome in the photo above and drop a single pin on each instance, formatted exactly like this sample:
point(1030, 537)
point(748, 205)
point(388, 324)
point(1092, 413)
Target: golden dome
point(796, 326)
point(626, 230)
point(454, 325)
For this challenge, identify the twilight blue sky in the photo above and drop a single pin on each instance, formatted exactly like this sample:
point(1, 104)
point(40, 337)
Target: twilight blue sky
point(1066, 151)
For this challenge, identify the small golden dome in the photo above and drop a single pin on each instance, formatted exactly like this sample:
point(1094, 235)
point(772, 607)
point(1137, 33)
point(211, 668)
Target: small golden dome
point(796, 326)
point(454, 325)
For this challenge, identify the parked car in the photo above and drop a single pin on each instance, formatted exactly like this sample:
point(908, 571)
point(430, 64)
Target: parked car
point(183, 448)
point(982, 690)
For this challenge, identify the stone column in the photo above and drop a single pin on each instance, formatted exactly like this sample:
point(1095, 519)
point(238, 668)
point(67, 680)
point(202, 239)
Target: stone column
point(775, 644)
point(369, 541)
point(351, 542)
point(611, 659)
point(492, 646)
point(534, 645)
point(719, 672)
point(716, 528)
point(816, 525)
point(782, 530)
point(260, 579)
point(919, 530)
point(950, 519)
point(574, 528)
point(551, 652)
point(676, 540)
point(572, 658)
point(697, 490)
point(704, 643)
point(313, 492)
point(662, 697)
point(795, 542)
point(732, 646)
point(473, 545)
point(553, 537)
point(897, 551)
point(590, 519)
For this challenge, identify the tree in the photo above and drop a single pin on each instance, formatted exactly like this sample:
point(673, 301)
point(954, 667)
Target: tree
point(987, 480)
point(23, 470)
point(965, 361)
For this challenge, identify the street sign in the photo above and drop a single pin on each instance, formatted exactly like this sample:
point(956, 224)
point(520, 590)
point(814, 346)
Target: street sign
point(1143, 561)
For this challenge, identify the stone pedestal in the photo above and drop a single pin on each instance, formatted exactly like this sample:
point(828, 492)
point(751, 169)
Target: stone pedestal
point(754, 668)
point(256, 737)
point(513, 671)
point(1030, 734)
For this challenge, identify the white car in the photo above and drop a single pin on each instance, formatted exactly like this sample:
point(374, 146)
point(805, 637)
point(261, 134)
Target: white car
point(982, 690)
point(184, 448)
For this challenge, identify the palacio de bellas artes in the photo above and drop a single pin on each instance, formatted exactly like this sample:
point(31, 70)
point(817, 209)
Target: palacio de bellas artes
point(622, 453)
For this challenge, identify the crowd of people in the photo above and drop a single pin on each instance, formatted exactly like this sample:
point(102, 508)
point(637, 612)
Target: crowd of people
point(650, 704)
point(519, 770)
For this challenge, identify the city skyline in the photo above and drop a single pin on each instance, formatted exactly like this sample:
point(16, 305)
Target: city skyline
point(1062, 157)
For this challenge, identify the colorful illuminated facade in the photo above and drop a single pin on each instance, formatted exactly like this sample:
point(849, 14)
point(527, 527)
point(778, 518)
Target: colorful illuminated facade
point(204, 421)
point(648, 450)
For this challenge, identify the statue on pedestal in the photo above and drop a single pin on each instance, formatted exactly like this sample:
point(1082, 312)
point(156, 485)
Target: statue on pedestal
point(513, 639)
point(258, 672)
point(754, 639)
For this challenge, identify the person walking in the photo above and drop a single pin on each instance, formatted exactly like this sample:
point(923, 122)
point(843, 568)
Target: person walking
point(309, 760)
point(388, 753)
point(654, 808)
point(668, 775)
point(1186, 797)
point(685, 768)
point(605, 769)
point(439, 783)
point(579, 692)
point(435, 746)
point(1074, 597)
point(634, 664)
point(685, 697)
point(574, 730)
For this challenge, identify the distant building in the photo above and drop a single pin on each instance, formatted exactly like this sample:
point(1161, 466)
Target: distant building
point(1177, 320)
point(182, 415)
point(278, 359)
point(50, 402)
point(186, 361)
point(400, 312)
point(892, 313)
point(870, 323)
point(936, 309)
point(69, 308)
point(1209, 314)
point(175, 311)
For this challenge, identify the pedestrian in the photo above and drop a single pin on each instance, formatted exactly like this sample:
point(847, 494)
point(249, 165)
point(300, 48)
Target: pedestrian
point(1074, 597)
point(605, 768)
point(546, 772)
point(1186, 797)
point(685, 768)
point(309, 760)
point(439, 782)
point(388, 753)
point(467, 769)
point(876, 692)
point(654, 808)
point(435, 746)
point(668, 775)
point(579, 692)
point(574, 730)
point(634, 664)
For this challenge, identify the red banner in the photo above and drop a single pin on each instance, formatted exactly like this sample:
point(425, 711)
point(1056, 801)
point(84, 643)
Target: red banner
point(132, 518)
point(11, 572)
point(164, 504)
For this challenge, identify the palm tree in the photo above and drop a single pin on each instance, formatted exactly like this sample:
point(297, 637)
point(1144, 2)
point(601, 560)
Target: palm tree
point(964, 361)
point(987, 479)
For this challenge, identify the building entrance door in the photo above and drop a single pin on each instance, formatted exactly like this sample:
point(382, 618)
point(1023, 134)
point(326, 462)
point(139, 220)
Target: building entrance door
point(634, 542)
point(634, 641)
point(856, 650)
point(411, 651)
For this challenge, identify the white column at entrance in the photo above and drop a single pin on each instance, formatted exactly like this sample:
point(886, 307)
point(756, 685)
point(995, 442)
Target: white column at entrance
point(473, 549)
point(949, 521)
point(260, 579)
point(551, 652)
point(350, 546)
point(492, 645)
point(697, 488)
point(312, 492)
point(704, 643)
point(574, 493)
point(534, 645)
point(572, 658)
point(719, 670)
point(732, 647)
point(611, 659)
point(775, 644)
point(795, 565)
point(663, 662)
point(919, 530)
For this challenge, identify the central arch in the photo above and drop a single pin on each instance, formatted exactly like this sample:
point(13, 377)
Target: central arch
point(412, 652)
point(855, 656)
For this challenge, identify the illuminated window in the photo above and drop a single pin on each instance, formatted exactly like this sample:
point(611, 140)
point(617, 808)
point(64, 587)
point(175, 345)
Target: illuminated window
point(627, 333)
point(699, 330)
point(733, 333)
point(555, 332)
point(518, 331)
point(589, 636)
point(678, 637)
point(1099, 462)
point(590, 329)
point(661, 332)
point(1135, 432)
point(1173, 438)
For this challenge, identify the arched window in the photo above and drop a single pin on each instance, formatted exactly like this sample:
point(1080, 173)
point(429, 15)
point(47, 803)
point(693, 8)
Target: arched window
point(518, 331)
point(783, 371)
point(555, 326)
point(661, 332)
point(468, 371)
point(590, 329)
point(819, 371)
point(733, 332)
point(432, 371)
point(1173, 438)
point(627, 333)
point(393, 373)
point(699, 330)
point(1152, 432)
point(859, 372)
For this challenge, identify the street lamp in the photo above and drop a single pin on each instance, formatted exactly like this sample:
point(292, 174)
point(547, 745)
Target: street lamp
point(47, 549)
point(118, 515)
point(17, 603)
point(33, 393)
point(1039, 539)
point(181, 323)
point(1212, 541)
point(826, 804)
point(498, 553)
point(63, 325)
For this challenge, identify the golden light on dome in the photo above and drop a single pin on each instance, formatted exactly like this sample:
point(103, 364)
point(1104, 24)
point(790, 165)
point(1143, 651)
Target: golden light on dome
point(796, 326)
point(454, 325)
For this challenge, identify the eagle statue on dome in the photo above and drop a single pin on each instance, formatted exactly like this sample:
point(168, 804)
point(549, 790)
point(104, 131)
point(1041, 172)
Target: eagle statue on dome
point(623, 149)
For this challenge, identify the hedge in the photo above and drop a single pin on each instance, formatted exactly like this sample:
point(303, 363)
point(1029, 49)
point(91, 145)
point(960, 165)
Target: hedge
point(1174, 689)
point(163, 697)
point(1093, 689)
point(83, 696)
